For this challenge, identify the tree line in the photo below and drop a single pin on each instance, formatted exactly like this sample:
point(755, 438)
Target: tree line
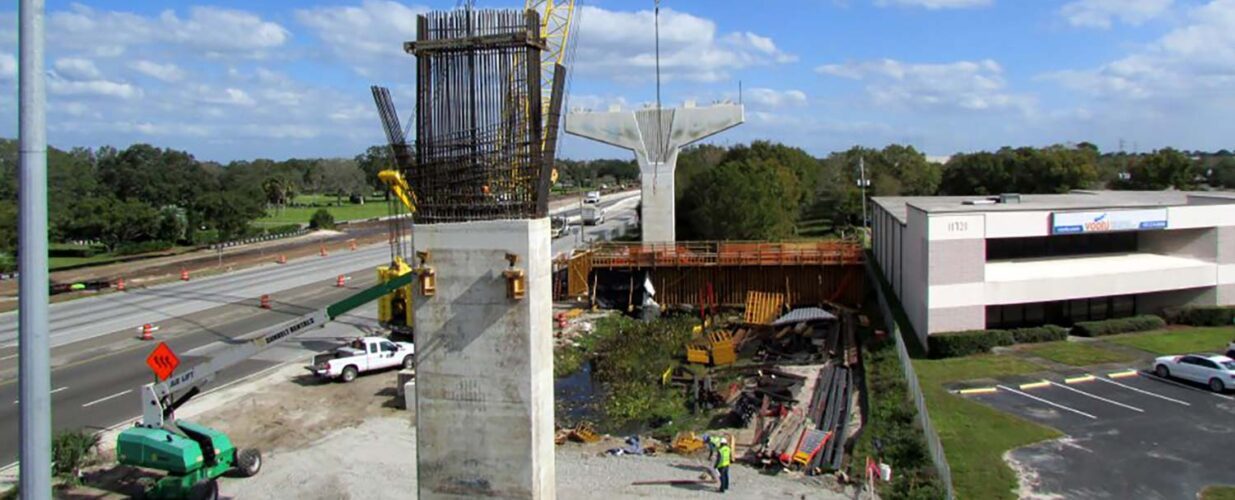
point(770, 191)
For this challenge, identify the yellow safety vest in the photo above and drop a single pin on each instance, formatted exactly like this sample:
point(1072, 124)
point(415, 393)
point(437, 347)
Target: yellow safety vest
point(726, 456)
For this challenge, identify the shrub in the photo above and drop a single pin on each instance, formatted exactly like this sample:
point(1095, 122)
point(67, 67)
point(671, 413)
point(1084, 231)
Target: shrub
point(72, 251)
point(1045, 333)
point(284, 229)
point(1202, 315)
point(321, 219)
point(70, 451)
point(8, 263)
point(1119, 325)
point(964, 343)
point(143, 247)
point(205, 236)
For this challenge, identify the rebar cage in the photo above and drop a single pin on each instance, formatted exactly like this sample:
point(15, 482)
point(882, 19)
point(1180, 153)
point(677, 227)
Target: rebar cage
point(480, 145)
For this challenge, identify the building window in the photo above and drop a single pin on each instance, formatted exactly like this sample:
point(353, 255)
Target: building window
point(1062, 313)
point(1060, 246)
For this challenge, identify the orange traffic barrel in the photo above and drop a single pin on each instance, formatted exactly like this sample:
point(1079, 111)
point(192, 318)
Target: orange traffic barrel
point(265, 304)
point(147, 332)
point(120, 285)
point(184, 275)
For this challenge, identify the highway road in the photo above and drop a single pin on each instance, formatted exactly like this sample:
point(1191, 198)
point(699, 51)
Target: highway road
point(98, 363)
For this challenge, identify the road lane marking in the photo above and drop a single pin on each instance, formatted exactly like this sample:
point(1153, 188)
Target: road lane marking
point(1057, 405)
point(16, 401)
point(1185, 386)
point(1099, 398)
point(97, 401)
point(1147, 393)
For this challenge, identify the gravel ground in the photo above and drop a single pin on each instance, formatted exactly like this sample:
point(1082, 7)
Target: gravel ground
point(377, 459)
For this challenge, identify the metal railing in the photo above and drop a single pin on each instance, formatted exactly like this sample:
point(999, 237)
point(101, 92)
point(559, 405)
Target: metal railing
point(915, 390)
point(725, 253)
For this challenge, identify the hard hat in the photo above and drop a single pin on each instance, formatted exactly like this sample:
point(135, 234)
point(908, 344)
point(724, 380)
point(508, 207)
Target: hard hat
point(724, 440)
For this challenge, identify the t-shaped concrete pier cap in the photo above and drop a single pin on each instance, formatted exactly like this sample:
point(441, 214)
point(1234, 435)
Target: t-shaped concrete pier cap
point(656, 137)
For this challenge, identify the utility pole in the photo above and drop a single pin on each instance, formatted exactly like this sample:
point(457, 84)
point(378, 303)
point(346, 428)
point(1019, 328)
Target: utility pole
point(862, 182)
point(34, 366)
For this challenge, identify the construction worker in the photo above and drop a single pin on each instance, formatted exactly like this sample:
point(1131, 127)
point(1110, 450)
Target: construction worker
point(724, 456)
point(713, 442)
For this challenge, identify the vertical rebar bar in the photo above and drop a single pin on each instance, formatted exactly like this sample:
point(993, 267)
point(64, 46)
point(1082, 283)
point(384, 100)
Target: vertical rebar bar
point(34, 371)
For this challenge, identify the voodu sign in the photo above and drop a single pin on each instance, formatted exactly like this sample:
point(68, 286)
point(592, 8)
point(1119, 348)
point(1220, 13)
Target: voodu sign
point(1101, 222)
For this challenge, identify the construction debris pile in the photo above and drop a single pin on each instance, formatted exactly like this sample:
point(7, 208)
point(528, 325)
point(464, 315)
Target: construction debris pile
point(807, 435)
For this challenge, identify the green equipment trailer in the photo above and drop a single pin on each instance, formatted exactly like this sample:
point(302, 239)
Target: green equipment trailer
point(194, 456)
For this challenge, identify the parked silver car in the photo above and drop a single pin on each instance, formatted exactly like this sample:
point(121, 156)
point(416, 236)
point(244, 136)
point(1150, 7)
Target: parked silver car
point(1216, 371)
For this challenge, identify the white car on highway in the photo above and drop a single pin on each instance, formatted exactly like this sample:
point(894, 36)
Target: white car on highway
point(592, 197)
point(1216, 371)
point(363, 355)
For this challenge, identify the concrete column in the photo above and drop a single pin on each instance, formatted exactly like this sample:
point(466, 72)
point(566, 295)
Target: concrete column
point(656, 137)
point(484, 388)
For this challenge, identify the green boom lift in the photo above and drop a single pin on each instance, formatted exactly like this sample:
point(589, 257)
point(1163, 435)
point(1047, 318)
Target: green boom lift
point(192, 455)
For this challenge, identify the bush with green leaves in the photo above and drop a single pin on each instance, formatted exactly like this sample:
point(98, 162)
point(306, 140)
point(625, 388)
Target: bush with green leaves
point(70, 451)
point(1119, 325)
point(321, 219)
point(964, 343)
point(143, 247)
point(893, 422)
point(1202, 315)
point(282, 229)
point(629, 357)
point(1033, 335)
point(8, 262)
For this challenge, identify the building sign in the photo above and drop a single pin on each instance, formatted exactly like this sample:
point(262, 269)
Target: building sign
point(1101, 222)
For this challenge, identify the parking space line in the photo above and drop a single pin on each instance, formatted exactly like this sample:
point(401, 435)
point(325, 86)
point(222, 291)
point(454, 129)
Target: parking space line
point(1057, 405)
point(1099, 398)
point(1147, 393)
point(1185, 386)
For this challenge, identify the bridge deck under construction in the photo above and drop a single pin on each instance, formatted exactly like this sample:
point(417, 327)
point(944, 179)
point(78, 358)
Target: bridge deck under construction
point(721, 273)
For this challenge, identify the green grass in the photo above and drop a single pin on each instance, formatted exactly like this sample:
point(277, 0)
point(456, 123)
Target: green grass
point(56, 263)
point(975, 436)
point(1218, 493)
point(300, 215)
point(1076, 353)
point(1178, 341)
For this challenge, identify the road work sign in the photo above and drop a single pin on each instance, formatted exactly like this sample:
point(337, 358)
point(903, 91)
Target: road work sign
point(162, 361)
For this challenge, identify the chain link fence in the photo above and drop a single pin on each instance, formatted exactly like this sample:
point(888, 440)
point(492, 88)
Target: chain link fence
point(911, 377)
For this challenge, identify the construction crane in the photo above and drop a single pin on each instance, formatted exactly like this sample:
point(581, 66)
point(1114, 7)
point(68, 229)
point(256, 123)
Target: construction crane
point(193, 456)
point(555, 19)
point(395, 310)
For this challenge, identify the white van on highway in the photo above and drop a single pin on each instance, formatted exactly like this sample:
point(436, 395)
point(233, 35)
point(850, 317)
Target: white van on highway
point(592, 197)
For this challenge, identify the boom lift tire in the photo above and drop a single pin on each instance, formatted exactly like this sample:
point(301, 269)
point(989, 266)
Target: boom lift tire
point(207, 489)
point(248, 462)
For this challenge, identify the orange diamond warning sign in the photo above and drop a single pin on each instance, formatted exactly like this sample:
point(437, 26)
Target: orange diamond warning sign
point(162, 361)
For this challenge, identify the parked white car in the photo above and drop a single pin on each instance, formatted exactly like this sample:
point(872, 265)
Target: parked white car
point(1216, 371)
point(363, 355)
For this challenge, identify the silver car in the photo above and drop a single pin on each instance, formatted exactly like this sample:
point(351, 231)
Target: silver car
point(1216, 371)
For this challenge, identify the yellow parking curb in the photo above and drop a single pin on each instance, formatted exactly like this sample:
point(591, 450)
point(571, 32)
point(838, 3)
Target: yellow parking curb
point(1124, 374)
point(978, 390)
point(1075, 380)
point(1035, 385)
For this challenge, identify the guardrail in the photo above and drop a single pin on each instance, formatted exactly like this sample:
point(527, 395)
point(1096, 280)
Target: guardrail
point(257, 239)
point(725, 253)
point(915, 390)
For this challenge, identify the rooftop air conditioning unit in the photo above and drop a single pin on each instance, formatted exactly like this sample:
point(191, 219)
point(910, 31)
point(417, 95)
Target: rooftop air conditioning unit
point(1008, 198)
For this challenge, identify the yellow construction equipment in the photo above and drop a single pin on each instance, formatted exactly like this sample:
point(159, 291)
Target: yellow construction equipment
point(555, 18)
point(394, 311)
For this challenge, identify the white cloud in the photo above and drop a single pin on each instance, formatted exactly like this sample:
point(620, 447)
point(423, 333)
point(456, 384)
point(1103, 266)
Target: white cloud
point(210, 31)
point(770, 98)
point(1193, 63)
point(369, 37)
point(621, 45)
point(227, 96)
point(168, 72)
point(936, 4)
point(963, 85)
point(1102, 13)
point(100, 88)
point(8, 66)
point(77, 69)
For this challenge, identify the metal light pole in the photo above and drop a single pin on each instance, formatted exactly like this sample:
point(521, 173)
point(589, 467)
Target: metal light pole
point(35, 374)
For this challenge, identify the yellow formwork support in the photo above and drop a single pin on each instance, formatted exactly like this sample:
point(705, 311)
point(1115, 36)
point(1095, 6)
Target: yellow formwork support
point(762, 307)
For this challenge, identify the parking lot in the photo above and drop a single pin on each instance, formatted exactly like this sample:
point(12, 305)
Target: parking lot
point(1130, 434)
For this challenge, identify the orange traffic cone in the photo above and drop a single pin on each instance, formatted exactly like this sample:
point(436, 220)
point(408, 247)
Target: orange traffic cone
point(340, 282)
point(351, 245)
point(147, 332)
point(184, 274)
point(323, 251)
point(120, 285)
point(282, 259)
point(265, 304)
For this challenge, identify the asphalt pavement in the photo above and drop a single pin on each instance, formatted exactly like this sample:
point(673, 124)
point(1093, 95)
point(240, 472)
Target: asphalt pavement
point(98, 363)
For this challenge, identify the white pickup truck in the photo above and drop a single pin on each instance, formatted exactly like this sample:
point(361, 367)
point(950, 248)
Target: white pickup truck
point(362, 355)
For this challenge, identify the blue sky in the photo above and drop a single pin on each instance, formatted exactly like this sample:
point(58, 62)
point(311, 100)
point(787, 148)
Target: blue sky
point(228, 79)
